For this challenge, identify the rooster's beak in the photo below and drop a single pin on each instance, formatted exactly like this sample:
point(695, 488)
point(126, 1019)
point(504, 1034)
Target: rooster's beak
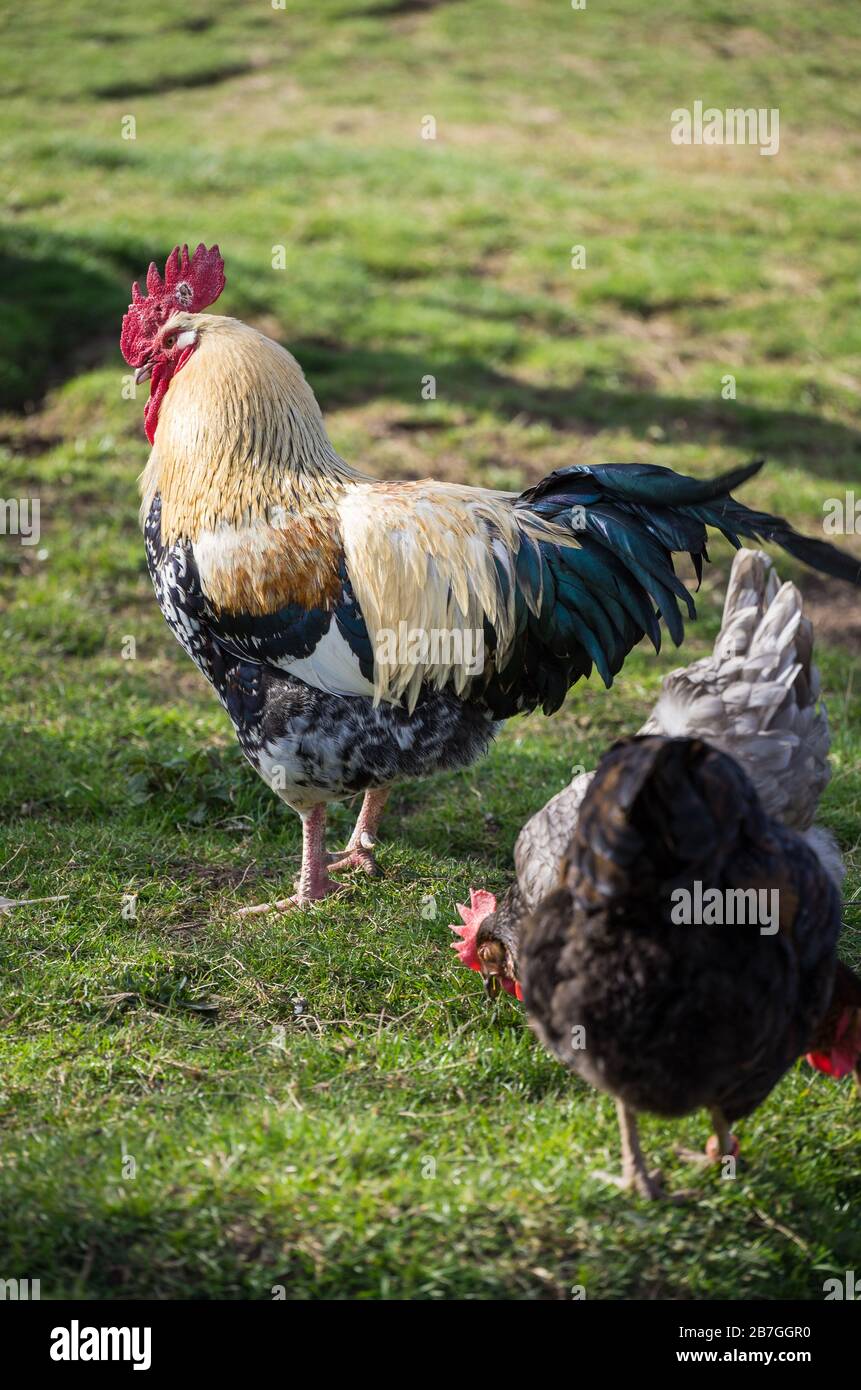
point(143, 373)
point(491, 986)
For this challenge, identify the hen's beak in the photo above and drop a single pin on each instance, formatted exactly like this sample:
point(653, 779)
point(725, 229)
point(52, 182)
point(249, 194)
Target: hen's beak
point(491, 986)
point(143, 373)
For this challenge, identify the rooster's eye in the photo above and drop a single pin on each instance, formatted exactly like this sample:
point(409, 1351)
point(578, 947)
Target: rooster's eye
point(169, 340)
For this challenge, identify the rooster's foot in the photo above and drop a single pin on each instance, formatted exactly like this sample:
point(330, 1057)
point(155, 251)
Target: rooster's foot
point(359, 856)
point(296, 900)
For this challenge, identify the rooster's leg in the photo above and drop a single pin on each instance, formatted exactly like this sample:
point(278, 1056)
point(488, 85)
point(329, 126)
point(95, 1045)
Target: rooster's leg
point(635, 1176)
point(359, 853)
point(313, 881)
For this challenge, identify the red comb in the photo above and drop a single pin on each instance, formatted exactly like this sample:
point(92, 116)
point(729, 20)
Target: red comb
point(481, 904)
point(190, 282)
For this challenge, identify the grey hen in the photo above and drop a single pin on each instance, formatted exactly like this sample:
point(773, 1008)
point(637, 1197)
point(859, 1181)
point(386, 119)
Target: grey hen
point(756, 697)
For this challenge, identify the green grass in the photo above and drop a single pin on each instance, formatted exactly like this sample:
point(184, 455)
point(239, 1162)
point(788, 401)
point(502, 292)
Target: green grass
point(323, 1100)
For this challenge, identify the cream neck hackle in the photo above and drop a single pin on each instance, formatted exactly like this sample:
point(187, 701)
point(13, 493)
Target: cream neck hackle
point(240, 436)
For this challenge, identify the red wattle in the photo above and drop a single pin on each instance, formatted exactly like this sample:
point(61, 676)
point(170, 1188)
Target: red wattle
point(162, 374)
point(836, 1063)
point(842, 1058)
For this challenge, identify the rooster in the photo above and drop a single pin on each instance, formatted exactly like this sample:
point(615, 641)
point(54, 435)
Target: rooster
point(290, 577)
point(756, 696)
point(666, 1015)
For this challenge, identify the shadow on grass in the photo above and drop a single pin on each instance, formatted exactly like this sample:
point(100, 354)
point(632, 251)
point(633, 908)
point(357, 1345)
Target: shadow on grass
point(163, 84)
point(57, 296)
point(83, 1247)
point(62, 297)
point(344, 376)
point(393, 9)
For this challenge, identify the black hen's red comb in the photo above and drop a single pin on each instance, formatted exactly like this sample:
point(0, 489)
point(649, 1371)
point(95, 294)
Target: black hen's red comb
point(190, 282)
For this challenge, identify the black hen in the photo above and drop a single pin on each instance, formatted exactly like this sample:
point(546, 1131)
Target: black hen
point(664, 1016)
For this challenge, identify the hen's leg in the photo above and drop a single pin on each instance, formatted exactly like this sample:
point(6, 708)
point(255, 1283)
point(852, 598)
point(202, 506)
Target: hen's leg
point(313, 881)
point(359, 853)
point(722, 1144)
point(635, 1176)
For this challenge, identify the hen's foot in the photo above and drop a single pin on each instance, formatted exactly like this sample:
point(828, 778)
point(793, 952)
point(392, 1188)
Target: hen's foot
point(635, 1176)
point(714, 1151)
point(646, 1184)
point(698, 1157)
